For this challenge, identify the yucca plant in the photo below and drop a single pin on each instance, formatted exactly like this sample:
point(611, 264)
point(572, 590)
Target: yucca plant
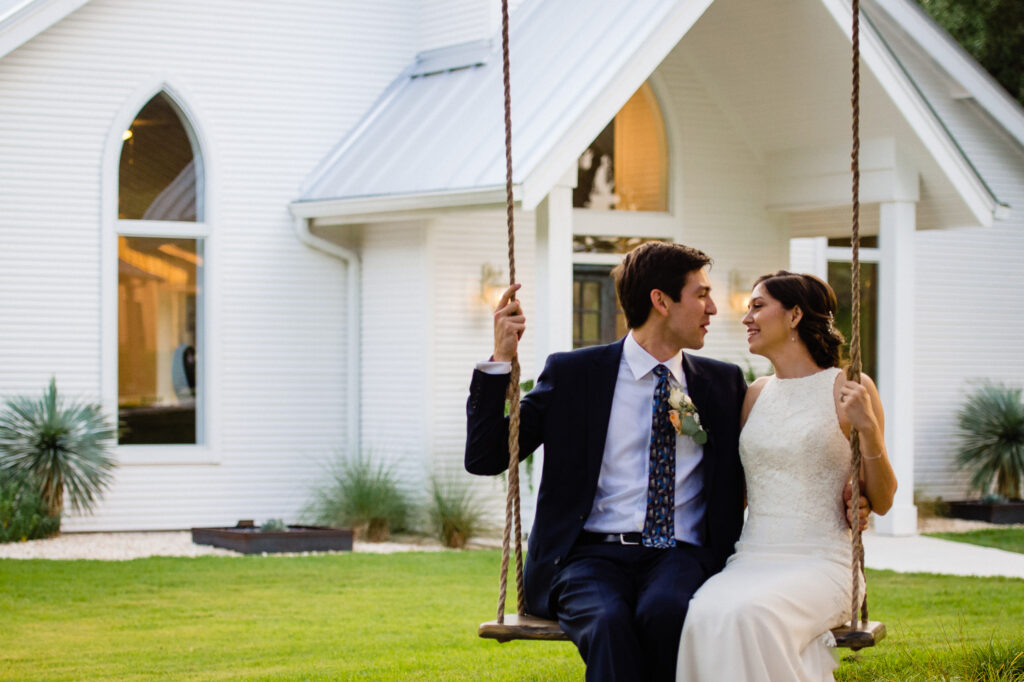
point(61, 446)
point(454, 513)
point(992, 439)
point(363, 496)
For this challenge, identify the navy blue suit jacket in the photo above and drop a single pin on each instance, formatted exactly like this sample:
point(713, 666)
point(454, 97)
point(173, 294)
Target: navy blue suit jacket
point(567, 412)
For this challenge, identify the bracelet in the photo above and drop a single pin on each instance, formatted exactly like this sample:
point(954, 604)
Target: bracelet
point(878, 456)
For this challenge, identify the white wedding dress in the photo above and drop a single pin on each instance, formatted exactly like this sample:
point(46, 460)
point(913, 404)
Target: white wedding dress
point(767, 615)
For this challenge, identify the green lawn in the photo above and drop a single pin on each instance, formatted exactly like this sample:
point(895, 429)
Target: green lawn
point(1010, 539)
point(400, 616)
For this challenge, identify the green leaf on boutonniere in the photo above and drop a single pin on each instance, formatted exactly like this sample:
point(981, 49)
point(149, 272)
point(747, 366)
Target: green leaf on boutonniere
point(690, 425)
point(701, 437)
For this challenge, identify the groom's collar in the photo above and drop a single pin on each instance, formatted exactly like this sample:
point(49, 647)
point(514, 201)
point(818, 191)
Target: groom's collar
point(641, 363)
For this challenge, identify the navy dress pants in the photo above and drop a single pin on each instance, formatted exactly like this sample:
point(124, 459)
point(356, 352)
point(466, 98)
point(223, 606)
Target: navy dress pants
point(623, 606)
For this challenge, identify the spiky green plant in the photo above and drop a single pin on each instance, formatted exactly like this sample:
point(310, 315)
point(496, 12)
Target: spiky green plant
point(23, 514)
point(363, 496)
point(992, 439)
point(60, 445)
point(454, 512)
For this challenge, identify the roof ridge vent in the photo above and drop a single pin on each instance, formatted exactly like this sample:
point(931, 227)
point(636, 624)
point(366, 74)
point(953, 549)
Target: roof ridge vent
point(452, 58)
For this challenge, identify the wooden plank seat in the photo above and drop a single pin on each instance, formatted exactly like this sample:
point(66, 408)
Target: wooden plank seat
point(533, 628)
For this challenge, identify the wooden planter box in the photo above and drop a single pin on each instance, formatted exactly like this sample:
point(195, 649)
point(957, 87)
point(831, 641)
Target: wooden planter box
point(992, 512)
point(249, 540)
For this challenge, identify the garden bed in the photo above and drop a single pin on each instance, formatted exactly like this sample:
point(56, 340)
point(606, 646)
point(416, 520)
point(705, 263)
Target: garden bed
point(251, 540)
point(1011, 511)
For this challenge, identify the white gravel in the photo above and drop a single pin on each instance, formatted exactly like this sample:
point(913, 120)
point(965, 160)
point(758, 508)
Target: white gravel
point(123, 546)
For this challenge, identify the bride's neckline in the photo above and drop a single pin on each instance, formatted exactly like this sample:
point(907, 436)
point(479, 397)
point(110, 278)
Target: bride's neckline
point(808, 376)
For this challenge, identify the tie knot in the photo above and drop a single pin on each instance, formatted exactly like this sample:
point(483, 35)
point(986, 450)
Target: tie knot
point(660, 371)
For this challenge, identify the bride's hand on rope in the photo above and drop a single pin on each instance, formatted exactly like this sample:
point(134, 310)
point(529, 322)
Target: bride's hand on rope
point(855, 403)
point(509, 325)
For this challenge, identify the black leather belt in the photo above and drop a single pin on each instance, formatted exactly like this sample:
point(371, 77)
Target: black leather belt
point(588, 538)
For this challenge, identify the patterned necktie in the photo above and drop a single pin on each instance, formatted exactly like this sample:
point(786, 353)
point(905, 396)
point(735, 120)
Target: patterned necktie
point(659, 524)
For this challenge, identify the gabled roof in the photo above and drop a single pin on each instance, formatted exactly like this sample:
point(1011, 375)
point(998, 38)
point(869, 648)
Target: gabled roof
point(22, 20)
point(957, 63)
point(438, 130)
point(435, 138)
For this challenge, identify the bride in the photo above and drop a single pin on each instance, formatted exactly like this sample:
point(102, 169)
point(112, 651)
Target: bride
point(767, 615)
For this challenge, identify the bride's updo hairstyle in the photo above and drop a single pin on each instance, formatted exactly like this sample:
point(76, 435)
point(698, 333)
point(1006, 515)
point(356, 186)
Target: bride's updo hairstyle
point(818, 303)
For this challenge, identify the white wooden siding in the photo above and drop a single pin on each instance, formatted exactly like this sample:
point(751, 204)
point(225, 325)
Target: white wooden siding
point(276, 90)
point(968, 324)
point(460, 244)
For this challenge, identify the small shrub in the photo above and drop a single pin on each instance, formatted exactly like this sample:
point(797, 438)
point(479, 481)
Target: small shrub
point(361, 496)
point(992, 439)
point(23, 512)
point(454, 513)
point(274, 524)
point(61, 446)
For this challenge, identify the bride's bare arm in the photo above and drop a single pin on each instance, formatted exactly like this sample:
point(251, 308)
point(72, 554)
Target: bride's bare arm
point(860, 407)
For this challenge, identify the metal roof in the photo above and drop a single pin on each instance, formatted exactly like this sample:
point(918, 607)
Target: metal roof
point(439, 128)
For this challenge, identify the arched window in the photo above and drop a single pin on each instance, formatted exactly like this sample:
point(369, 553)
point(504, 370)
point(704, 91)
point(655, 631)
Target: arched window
point(160, 244)
point(626, 166)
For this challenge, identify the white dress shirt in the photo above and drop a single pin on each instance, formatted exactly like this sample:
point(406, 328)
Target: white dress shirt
point(620, 503)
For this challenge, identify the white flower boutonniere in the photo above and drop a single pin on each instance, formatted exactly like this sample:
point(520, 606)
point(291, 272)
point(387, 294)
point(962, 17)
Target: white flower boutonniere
point(683, 415)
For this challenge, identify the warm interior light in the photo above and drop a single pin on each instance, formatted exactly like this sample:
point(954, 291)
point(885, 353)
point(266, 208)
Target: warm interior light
point(127, 135)
point(739, 291)
point(491, 285)
point(178, 252)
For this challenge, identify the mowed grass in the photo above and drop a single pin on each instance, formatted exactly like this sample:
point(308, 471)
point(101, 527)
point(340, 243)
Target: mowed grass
point(1010, 539)
point(402, 617)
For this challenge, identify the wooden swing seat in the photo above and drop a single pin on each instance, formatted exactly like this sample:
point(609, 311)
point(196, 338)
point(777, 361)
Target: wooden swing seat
point(539, 629)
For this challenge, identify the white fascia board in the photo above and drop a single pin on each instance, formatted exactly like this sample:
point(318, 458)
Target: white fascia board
point(393, 207)
point(960, 66)
point(565, 151)
point(876, 56)
point(30, 18)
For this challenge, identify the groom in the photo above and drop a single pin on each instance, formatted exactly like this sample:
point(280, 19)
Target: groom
point(631, 515)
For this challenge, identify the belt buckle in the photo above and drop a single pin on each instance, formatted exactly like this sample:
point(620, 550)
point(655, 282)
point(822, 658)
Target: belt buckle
point(624, 541)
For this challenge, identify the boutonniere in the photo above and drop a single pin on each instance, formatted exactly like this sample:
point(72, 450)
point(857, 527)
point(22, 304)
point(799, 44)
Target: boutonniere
point(683, 415)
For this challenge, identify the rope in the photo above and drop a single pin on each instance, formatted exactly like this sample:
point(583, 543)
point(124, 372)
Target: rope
point(853, 373)
point(512, 509)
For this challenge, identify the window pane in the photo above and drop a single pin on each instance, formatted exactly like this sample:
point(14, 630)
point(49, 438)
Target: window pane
point(591, 296)
point(157, 171)
point(159, 284)
point(626, 166)
point(839, 276)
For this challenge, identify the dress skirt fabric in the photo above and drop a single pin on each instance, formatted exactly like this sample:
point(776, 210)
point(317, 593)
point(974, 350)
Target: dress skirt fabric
point(766, 617)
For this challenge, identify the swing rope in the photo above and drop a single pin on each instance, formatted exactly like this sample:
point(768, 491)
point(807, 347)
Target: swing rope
point(512, 505)
point(512, 510)
point(853, 372)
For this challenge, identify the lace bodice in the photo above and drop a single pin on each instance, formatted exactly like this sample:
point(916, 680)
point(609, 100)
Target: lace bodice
point(796, 461)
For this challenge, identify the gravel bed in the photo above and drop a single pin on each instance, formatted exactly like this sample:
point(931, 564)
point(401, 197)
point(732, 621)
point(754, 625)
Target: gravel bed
point(124, 546)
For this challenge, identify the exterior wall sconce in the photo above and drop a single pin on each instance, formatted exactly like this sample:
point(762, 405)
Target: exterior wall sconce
point(739, 291)
point(492, 285)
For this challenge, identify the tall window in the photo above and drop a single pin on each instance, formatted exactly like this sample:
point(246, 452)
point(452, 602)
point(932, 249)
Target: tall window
point(626, 166)
point(160, 280)
point(839, 277)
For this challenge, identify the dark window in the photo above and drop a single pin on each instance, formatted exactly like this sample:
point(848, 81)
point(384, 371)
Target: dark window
point(839, 275)
point(596, 317)
point(157, 174)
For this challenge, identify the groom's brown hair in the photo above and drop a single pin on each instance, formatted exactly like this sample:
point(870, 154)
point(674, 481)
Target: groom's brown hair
point(653, 265)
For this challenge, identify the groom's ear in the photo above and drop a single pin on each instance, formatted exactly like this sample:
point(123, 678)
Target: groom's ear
point(658, 303)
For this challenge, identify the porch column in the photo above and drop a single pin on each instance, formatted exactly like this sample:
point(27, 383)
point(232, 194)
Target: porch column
point(896, 357)
point(552, 321)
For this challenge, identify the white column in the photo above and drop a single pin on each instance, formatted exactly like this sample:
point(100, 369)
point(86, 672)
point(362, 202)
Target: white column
point(552, 321)
point(896, 357)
